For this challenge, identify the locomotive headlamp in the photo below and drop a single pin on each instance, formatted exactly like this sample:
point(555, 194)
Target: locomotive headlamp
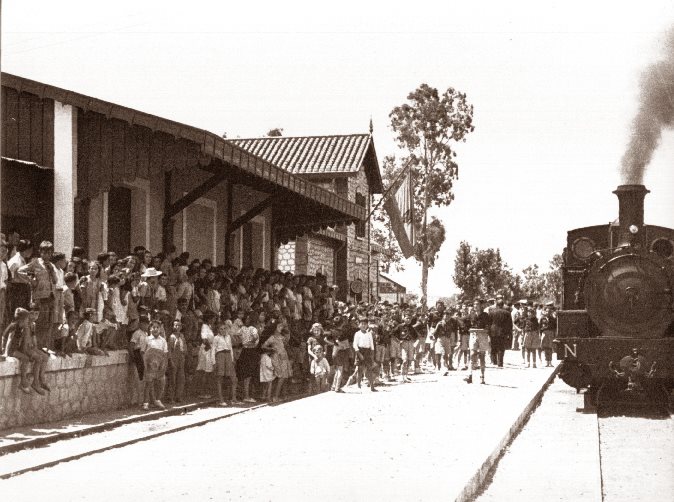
point(583, 248)
point(634, 229)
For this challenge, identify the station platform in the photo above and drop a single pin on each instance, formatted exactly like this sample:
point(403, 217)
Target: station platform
point(434, 438)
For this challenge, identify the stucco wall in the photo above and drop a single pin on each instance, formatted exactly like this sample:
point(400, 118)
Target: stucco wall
point(79, 385)
point(183, 180)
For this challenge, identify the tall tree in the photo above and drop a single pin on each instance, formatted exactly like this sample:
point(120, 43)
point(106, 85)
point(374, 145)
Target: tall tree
point(553, 279)
point(480, 272)
point(534, 283)
point(426, 126)
point(466, 276)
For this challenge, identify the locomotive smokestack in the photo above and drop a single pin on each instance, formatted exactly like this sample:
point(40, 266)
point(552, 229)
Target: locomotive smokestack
point(631, 214)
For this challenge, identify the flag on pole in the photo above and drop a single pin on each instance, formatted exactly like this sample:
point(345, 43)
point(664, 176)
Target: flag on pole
point(399, 205)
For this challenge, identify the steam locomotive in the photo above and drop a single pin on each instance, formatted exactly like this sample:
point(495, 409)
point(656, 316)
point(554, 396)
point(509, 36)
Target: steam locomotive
point(615, 330)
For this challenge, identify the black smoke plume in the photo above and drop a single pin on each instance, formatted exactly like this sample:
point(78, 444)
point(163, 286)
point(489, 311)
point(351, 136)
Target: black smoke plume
point(656, 111)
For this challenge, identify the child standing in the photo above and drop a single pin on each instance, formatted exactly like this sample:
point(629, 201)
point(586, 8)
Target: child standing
point(320, 369)
point(137, 345)
point(206, 361)
point(177, 354)
point(266, 375)
point(155, 359)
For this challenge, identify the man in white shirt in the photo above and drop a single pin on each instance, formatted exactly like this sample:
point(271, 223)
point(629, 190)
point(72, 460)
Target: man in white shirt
point(363, 344)
point(18, 291)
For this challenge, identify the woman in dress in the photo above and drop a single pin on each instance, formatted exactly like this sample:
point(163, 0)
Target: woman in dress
point(532, 338)
point(276, 343)
point(248, 363)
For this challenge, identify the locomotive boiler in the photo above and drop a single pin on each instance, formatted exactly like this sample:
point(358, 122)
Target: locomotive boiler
point(615, 330)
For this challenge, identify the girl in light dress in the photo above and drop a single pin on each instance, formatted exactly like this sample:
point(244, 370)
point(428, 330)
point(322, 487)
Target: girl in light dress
point(206, 357)
point(266, 375)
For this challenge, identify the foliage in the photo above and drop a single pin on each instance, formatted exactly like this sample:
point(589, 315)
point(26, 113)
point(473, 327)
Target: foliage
point(482, 272)
point(433, 239)
point(275, 132)
point(553, 279)
point(425, 127)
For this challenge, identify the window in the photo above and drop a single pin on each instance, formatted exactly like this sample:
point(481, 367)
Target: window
point(360, 226)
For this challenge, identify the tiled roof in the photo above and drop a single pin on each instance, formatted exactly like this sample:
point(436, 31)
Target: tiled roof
point(311, 154)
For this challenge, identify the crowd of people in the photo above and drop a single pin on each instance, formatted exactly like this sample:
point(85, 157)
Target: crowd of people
point(238, 335)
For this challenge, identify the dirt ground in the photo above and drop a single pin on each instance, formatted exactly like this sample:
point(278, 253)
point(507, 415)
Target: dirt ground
point(418, 441)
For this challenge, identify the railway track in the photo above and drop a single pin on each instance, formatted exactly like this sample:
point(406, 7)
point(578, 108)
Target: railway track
point(563, 455)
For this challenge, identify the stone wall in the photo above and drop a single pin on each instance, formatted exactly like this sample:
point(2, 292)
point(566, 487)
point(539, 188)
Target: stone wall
point(286, 257)
point(358, 247)
point(79, 385)
point(321, 258)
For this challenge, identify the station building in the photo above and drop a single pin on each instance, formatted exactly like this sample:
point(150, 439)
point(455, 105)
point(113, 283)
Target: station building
point(390, 290)
point(347, 166)
point(82, 171)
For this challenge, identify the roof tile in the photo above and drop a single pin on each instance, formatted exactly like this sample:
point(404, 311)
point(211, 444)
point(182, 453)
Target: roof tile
point(311, 154)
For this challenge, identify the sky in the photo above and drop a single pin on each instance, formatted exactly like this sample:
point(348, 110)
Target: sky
point(554, 85)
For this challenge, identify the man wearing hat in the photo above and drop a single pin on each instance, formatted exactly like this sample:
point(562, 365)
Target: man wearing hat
point(548, 327)
point(147, 289)
point(501, 330)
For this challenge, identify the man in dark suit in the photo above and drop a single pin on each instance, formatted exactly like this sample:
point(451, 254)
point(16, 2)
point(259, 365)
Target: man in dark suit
point(501, 329)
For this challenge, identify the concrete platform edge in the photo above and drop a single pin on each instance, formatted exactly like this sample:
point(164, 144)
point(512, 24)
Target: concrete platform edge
point(105, 426)
point(7, 475)
point(472, 487)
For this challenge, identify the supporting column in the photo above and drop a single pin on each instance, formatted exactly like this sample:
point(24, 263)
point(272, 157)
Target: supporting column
point(167, 222)
point(65, 176)
point(228, 225)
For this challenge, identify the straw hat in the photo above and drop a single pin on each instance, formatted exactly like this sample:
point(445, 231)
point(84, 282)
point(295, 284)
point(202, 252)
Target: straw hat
point(151, 272)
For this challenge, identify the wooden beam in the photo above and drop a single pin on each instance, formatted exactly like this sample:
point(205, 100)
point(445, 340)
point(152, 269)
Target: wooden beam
point(192, 196)
point(250, 214)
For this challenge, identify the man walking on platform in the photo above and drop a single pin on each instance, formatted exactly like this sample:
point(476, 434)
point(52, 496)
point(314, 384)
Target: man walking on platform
point(479, 339)
point(501, 329)
point(363, 345)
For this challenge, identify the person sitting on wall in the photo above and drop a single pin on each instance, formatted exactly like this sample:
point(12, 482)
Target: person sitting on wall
point(19, 341)
point(85, 335)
